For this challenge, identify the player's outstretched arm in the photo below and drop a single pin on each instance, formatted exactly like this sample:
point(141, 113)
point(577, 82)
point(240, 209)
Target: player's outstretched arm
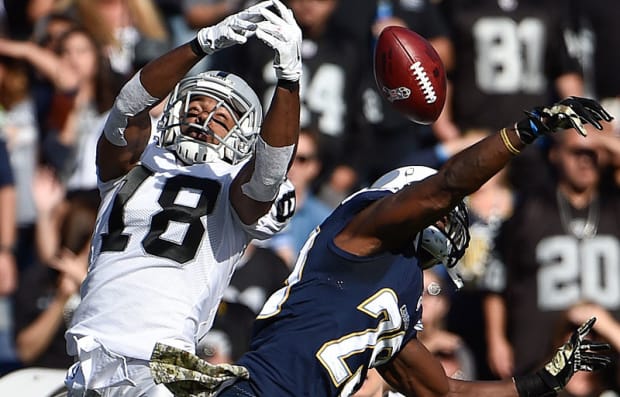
point(416, 372)
point(128, 127)
point(257, 185)
point(395, 220)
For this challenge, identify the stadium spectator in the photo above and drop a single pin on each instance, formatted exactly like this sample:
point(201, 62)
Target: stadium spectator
point(176, 25)
point(49, 289)
point(488, 207)
point(455, 356)
point(511, 55)
point(3, 20)
point(597, 30)
point(20, 132)
point(8, 266)
point(561, 246)
point(47, 34)
point(310, 210)
point(76, 114)
point(259, 273)
point(178, 211)
point(120, 26)
point(83, 91)
point(19, 23)
point(230, 335)
point(200, 13)
point(8, 223)
point(355, 300)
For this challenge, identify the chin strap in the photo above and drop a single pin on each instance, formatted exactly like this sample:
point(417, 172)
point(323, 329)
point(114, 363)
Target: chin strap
point(456, 277)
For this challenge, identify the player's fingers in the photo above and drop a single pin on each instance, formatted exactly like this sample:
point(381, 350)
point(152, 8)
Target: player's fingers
point(241, 25)
point(594, 361)
point(284, 12)
point(585, 328)
point(266, 36)
point(595, 346)
point(271, 16)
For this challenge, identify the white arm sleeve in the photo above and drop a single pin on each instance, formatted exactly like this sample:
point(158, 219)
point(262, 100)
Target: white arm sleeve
point(131, 100)
point(270, 167)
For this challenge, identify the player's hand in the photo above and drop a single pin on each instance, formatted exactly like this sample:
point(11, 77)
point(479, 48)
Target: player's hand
point(572, 112)
point(234, 29)
point(283, 35)
point(577, 354)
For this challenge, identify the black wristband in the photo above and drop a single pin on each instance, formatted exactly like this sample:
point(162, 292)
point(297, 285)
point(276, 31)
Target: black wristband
point(196, 48)
point(532, 385)
point(289, 85)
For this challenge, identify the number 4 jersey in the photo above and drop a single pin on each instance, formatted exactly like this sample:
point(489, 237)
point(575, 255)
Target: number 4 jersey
point(163, 251)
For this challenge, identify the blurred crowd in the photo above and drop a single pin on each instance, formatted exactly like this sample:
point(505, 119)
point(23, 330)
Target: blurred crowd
point(545, 248)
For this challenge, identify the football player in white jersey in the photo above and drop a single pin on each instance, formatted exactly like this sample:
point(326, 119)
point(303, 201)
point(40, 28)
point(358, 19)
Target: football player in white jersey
point(177, 211)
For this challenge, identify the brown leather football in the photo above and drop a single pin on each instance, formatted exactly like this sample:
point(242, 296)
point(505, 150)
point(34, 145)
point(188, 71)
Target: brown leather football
point(410, 74)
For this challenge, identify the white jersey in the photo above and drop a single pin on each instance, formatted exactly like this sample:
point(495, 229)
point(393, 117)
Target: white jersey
point(164, 249)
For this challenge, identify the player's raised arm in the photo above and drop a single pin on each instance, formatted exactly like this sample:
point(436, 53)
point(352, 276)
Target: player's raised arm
point(257, 185)
point(128, 126)
point(416, 372)
point(395, 220)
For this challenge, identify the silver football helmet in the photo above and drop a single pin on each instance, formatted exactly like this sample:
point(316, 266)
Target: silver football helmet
point(433, 245)
point(230, 92)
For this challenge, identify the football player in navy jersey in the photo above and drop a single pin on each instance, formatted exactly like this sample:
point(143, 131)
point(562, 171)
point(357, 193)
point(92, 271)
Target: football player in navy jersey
point(354, 299)
point(178, 211)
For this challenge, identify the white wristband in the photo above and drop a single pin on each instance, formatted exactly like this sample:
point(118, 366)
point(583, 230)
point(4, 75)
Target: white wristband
point(131, 100)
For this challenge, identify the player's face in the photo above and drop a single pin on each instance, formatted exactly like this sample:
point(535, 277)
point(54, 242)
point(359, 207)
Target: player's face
point(305, 166)
point(198, 111)
point(79, 56)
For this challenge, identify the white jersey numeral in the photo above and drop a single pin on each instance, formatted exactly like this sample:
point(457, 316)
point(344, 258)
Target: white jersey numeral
point(573, 270)
point(509, 55)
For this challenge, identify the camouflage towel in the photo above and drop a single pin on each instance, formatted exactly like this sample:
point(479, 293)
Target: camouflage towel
point(187, 375)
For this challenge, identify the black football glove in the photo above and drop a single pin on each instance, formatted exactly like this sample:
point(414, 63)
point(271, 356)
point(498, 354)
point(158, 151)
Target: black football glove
point(572, 112)
point(577, 354)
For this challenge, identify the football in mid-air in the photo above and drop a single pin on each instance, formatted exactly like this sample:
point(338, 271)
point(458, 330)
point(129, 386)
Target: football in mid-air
point(410, 74)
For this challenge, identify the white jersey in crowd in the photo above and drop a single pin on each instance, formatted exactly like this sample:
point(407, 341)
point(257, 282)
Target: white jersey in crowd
point(164, 249)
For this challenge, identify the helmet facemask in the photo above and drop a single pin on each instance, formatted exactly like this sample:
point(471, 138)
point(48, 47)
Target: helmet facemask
point(444, 244)
point(441, 243)
point(228, 91)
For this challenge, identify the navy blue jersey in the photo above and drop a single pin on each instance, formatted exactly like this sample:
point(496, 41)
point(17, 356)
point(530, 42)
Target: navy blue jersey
point(338, 315)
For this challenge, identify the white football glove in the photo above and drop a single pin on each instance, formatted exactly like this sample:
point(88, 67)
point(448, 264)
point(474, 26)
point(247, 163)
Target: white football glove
point(234, 29)
point(283, 35)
